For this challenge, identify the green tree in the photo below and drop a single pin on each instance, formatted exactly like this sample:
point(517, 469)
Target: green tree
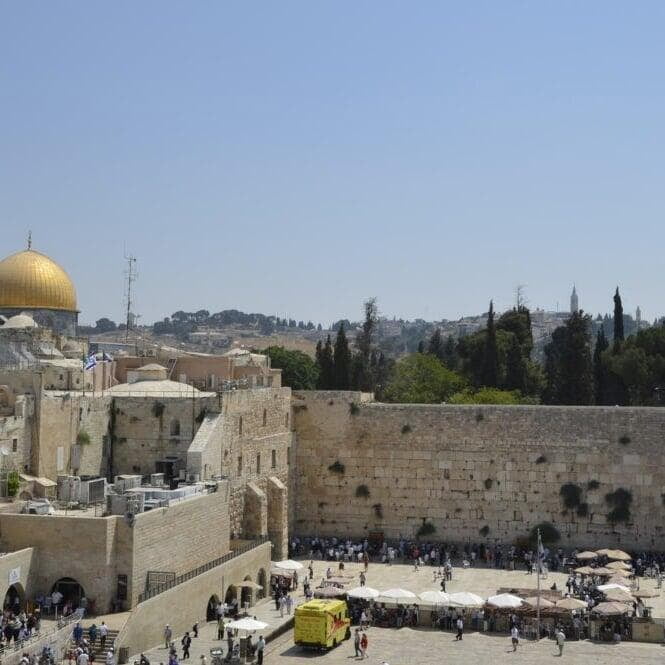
point(420, 378)
point(450, 356)
point(342, 360)
point(516, 367)
point(435, 346)
point(618, 319)
point(568, 366)
point(326, 363)
point(105, 325)
point(299, 371)
point(491, 396)
point(363, 379)
point(599, 368)
point(490, 372)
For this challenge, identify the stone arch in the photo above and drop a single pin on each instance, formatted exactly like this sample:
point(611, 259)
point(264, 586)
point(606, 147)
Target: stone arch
point(211, 607)
point(231, 594)
point(262, 580)
point(14, 598)
point(247, 594)
point(71, 589)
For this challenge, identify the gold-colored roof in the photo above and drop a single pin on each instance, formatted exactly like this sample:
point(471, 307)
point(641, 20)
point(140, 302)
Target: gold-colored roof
point(32, 280)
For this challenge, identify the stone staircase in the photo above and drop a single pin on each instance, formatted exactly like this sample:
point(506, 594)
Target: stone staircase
point(96, 647)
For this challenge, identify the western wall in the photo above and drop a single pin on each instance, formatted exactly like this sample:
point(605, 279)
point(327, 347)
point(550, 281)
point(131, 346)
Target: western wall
point(478, 473)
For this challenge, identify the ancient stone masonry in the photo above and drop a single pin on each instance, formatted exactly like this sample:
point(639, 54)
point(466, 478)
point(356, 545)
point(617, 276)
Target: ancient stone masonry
point(478, 473)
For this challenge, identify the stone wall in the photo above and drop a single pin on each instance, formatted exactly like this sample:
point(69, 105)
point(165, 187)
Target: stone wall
point(467, 469)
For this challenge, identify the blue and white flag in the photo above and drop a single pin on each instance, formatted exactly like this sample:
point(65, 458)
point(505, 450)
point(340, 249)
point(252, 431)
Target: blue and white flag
point(91, 362)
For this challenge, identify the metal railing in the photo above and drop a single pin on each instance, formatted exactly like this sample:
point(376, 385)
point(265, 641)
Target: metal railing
point(11, 655)
point(185, 577)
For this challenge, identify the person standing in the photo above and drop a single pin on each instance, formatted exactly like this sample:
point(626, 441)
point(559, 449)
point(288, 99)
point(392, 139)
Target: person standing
point(282, 606)
point(103, 632)
point(356, 643)
point(220, 628)
point(186, 643)
point(168, 634)
point(560, 638)
point(364, 642)
point(363, 578)
point(195, 629)
point(289, 604)
point(260, 646)
point(460, 628)
point(515, 637)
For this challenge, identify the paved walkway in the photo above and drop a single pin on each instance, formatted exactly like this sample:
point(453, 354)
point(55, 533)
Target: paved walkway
point(426, 646)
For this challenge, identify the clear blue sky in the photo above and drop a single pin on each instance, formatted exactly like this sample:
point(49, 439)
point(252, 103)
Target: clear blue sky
point(297, 157)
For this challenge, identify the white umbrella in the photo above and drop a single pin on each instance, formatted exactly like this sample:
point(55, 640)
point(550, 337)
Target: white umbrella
point(397, 594)
point(465, 599)
point(289, 564)
point(363, 592)
point(435, 597)
point(505, 600)
point(247, 623)
point(608, 587)
point(571, 604)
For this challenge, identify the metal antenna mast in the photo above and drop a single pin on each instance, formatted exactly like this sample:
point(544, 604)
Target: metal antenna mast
point(131, 274)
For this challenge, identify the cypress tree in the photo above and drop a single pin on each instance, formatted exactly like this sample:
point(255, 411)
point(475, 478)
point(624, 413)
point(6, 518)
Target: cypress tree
point(324, 359)
point(342, 360)
point(421, 346)
point(450, 355)
point(618, 320)
point(362, 371)
point(490, 369)
point(599, 371)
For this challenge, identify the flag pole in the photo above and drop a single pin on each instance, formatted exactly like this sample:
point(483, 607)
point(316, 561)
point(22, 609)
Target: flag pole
point(539, 546)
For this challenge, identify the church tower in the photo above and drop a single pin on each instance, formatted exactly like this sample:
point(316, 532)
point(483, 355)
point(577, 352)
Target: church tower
point(574, 301)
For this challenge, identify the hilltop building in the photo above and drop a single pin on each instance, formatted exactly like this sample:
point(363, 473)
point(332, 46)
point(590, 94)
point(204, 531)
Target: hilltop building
point(574, 302)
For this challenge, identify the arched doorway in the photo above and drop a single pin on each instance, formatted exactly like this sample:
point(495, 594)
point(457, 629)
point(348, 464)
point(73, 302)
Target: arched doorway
point(247, 594)
point(231, 599)
point(262, 582)
point(71, 591)
point(211, 608)
point(14, 598)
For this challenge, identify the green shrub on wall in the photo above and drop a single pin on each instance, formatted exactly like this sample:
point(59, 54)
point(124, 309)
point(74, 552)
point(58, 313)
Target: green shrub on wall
point(13, 482)
point(425, 529)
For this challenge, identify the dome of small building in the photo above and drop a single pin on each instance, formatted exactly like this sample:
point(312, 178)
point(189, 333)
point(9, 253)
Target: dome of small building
point(20, 321)
point(148, 388)
point(32, 280)
point(149, 372)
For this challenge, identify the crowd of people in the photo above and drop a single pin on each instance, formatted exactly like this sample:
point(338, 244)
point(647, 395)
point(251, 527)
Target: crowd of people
point(84, 651)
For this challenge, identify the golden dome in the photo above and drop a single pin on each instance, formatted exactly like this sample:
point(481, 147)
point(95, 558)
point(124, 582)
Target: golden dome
point(32, 280)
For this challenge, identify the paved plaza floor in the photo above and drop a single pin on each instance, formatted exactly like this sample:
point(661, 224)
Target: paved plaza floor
point(422, 646)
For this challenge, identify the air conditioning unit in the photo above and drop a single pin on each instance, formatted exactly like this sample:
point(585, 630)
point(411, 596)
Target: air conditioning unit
point(156, 479)
point(69, 488)
point(127, 482)
point(93, 491)
point(193, 477)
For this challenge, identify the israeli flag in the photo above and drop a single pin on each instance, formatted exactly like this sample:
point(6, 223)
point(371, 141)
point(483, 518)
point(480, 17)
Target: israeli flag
point(91, 363)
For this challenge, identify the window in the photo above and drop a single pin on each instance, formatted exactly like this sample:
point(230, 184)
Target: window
point(265, 417)
point(286, 420)
point(121, 589)
point(61, 377)
point(258, 463)
point(14, 445)
point(175, 427)
point(239, 465)
point(288, 456)
point(274, 459)
point(240, 426)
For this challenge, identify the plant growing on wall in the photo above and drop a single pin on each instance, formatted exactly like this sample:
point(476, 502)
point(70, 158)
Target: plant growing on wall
point(571, 495)
point(362, 491)
point(541, 460)
point(406, 428)
point(484, 531)
point(13, 482)
point(425, 529)
point(620, 501)
point(337, 467)
point(354, 409)
point(378, 511)
point(624, 440)
point(82, 438)
point(549, 534)
point(488, 483)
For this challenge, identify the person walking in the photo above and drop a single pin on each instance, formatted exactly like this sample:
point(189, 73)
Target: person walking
point(356, 643)
point(560, 638)
point(515, 637)
point(289, 604)
point(195, 629)
point(260, 646)
point(220, 628)
point(168, 634)
point(460, 628)
point(364, 642)
point(186, 643)
point(363, 578)
point(282, 606)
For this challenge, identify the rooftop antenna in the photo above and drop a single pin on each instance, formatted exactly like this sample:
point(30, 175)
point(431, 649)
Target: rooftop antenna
point(131, 275)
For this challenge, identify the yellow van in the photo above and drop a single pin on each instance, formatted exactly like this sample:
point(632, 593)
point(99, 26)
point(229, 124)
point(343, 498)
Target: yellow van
point(322, 624)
